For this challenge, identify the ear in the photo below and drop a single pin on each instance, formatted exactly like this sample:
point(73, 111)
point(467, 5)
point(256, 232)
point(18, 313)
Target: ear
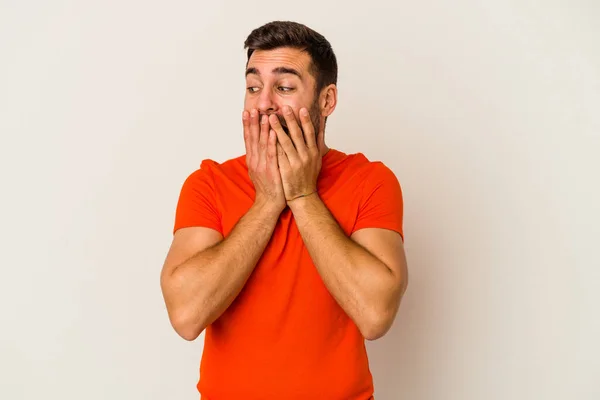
point(328, 100)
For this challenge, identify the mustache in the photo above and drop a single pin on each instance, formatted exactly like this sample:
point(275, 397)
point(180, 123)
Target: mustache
point(281, 121)
point(285, 127)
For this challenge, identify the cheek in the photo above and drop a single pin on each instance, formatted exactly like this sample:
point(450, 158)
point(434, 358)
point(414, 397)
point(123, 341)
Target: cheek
point(249, 103)
point(295, 104)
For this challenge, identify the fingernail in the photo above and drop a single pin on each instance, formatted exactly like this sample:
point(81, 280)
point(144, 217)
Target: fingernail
point(253, 113)
point(304, 112)
point(264, 119)
point(245, 115)
point(287, 110)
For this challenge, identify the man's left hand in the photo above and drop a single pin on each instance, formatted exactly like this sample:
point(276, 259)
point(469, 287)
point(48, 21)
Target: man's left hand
point(298, 155)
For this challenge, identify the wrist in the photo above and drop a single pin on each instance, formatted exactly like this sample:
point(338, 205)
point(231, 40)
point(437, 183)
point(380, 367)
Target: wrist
point(267, 211)
point(301, 202)
point(300, 196)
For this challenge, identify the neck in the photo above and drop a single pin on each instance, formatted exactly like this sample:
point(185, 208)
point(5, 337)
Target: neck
point(323, 149)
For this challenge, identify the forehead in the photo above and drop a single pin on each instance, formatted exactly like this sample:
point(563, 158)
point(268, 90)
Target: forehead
point(266, 60)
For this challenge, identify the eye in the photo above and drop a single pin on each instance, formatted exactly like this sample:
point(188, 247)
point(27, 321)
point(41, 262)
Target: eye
point(252, 89)
point(285, 89)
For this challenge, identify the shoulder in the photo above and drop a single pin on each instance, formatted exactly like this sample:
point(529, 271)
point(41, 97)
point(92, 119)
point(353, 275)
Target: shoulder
point(379, 172)
point(371, 170)
point(211, 170)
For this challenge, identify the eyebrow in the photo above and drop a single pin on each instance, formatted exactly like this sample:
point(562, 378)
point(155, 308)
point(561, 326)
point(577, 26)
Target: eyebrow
point(278, 70)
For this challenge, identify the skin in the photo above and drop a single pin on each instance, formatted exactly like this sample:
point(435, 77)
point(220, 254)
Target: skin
point(280, 77)
point(284, 123)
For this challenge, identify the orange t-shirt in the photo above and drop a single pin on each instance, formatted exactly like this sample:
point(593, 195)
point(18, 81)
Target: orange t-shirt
point(285, 336)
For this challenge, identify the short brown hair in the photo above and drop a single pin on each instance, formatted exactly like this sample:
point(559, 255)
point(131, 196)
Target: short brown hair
point(293, 34)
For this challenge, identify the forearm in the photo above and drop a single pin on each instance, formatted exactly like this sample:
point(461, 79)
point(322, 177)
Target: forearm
point(362, 285)
point(207, 283)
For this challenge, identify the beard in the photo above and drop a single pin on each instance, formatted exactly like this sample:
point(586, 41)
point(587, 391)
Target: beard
point(315, 118)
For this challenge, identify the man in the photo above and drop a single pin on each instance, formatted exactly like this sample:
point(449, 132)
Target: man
point(291, 255)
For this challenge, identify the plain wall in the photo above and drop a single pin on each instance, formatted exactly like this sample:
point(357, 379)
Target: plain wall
point(487, 111)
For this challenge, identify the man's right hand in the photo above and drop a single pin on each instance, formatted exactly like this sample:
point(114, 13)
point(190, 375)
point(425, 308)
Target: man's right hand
point(204, 272)
point(261, 158)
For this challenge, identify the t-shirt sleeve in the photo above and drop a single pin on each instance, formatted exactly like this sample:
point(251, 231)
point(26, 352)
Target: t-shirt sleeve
point(382, 204)
point(197, 204)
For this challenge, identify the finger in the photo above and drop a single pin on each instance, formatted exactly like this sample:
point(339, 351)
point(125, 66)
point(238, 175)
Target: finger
point(283, 139)
point(295, 130)
point(282, 158)
point(247, 140)
point(308, 129)
point(254, 133)
point(263, 141)
point(272, 162)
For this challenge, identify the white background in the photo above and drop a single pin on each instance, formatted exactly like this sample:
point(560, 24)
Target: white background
point(488, 112)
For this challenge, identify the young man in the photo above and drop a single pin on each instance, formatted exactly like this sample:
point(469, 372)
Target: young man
point(291, 255)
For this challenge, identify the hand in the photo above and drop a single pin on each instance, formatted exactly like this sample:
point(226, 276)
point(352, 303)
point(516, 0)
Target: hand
point(298, 155)
point(261, 158)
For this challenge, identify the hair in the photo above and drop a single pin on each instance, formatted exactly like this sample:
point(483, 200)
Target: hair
point(292, 34)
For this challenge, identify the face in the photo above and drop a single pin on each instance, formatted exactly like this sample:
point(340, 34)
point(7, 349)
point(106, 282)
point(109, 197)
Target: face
point(279, 77)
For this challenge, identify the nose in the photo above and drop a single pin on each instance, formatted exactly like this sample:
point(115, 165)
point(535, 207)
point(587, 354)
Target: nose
point(266, 102)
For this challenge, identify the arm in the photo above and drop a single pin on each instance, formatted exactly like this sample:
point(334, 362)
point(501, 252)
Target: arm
point(203, 273)
point(366, 274)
